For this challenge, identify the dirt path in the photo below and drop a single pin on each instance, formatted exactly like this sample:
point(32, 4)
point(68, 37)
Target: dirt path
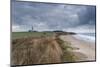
point(84, 50)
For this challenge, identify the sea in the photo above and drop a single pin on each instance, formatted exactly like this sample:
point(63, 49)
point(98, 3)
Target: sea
point(86, 36)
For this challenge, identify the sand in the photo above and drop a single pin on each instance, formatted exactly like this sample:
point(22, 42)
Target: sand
point(39, 50)
point(85, 51)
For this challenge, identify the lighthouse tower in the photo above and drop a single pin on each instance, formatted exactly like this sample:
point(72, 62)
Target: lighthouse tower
point(31, 30)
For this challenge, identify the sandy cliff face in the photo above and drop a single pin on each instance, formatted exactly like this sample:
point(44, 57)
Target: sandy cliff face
point(36, 51)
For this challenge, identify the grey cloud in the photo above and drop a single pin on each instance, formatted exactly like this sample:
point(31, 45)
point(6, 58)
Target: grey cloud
point(52, 16)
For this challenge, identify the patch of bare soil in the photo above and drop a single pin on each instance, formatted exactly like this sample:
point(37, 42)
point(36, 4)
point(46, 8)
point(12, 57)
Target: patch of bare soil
point(36, 51)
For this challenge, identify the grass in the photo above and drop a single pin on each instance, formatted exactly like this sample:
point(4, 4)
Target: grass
point(35, 51)
point(39, 48)
point(68, 56)
point(16, 35)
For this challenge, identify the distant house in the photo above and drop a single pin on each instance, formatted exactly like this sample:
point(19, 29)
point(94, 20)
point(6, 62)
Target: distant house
point(30, 31)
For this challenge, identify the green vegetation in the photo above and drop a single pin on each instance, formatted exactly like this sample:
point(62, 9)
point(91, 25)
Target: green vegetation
point(17, 35)
point(40, 48)
point(67, 56)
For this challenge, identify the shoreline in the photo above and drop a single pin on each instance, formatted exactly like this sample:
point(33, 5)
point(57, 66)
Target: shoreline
point(90, 39)
point(83, 50)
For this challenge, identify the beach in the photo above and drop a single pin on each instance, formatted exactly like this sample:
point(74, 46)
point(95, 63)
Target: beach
point(83, 50)
point(49, 48)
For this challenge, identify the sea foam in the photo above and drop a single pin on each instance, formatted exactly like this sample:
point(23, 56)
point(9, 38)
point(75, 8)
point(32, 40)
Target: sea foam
point(85, 37)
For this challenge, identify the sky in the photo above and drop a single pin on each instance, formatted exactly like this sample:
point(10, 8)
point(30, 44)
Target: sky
point(51, 16)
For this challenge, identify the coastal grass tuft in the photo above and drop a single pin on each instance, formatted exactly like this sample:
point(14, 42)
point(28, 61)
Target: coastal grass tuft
point(42, 49)
point(68, 55)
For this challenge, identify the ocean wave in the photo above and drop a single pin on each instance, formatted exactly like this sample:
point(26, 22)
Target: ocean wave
point(85, 37)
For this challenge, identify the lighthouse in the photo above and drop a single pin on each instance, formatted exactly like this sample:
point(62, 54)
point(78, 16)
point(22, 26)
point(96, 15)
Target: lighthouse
point(31, 30)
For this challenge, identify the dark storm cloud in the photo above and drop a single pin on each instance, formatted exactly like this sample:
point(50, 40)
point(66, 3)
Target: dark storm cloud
point(88, 16)
point(45, 16)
